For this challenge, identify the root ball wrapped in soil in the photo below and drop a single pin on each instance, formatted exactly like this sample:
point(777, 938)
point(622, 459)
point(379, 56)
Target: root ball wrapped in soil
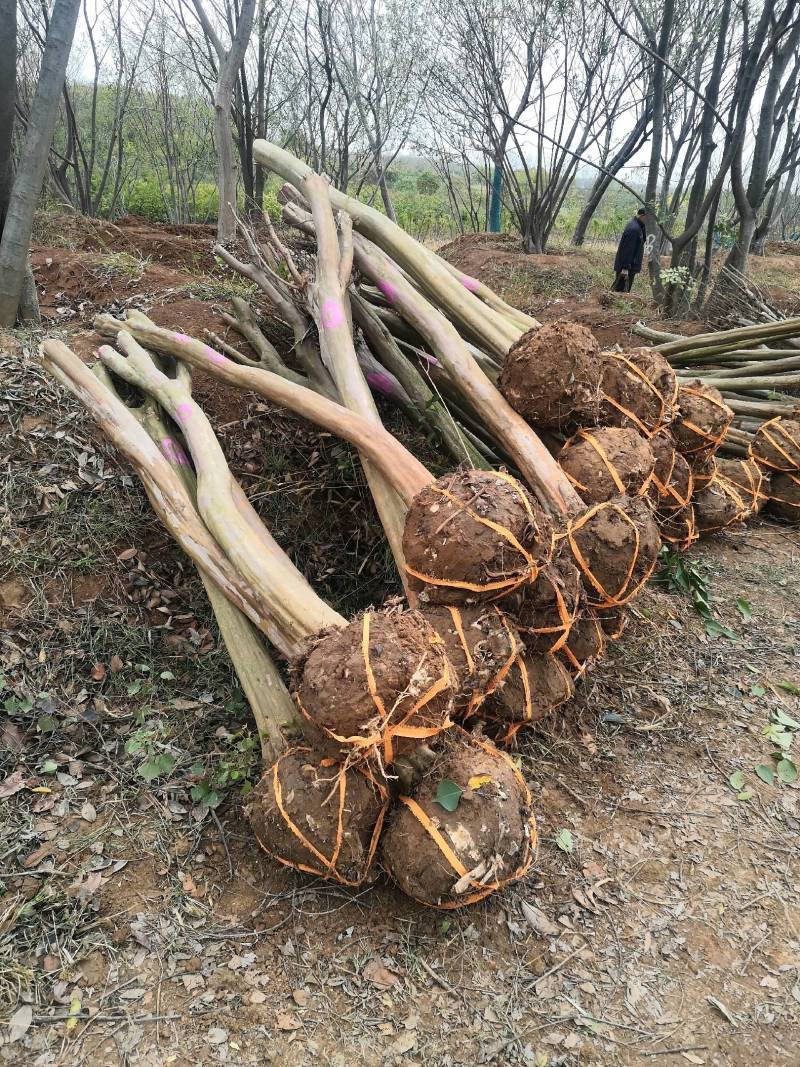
point(678, 528)
point(379, 685)
point(481, 643)
point(474, 535)
point(450, 858)
point(606, 462)
point(613, 622)
point(547, 610)
point(673, 481)
point(317, 816)
point(551, 376)
point(784, 496)
point(717, 506)
point(704, 471)
point(615, 545)
point(535, 686)
point(777, 444)
point(640, 390)
point(748, 478)
point(585, 645)
point(702, 421)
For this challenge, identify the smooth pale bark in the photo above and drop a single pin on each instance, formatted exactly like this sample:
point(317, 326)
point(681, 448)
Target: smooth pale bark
point(294, 606)
point(330, 308)
point(8, 91)
point(32, 165)
point(228, 63)
point(165, 490)
point(540, 470)
point(273, 709)
point(408, 475)
point(492, 331)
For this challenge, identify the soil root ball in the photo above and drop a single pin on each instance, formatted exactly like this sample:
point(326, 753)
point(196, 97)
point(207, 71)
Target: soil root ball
point(481, 643)
point(719, 505)
point(704, 471)
point(451, 858)
point(640, 390)
point(547, 610)
point(615, 545)
point(678, 527)
point(703, 419)
point(317, 816)
point(784, 498)
point(673, 481)
point(613, 621)
point(551, 376)
point(607, 462)
point(376, 687)
point(748, 478)
point(535, 686)
point(777, 444)
point(474, 535)
point(585, 645)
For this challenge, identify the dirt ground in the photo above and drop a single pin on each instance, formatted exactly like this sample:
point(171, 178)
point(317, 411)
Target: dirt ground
point(660, 923)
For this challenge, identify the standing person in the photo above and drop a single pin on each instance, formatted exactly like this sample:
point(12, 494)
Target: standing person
point(628, 261)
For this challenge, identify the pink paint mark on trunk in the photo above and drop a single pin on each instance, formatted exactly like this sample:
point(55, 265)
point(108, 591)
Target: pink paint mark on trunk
point(432, 361)
point(332, 314)
point(388, 290)
point(381, 383)
point(183, 338)
point(469, 283)
point(183, 411)
point(214, 356)
point(173, 451)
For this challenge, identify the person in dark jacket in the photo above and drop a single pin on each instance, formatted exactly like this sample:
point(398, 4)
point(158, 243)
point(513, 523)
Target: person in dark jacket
point(628, 261)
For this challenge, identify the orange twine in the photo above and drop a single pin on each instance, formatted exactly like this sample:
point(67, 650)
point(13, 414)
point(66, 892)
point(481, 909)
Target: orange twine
point(782, 500)
point(588, 436)
point(623, 594)
point(384, 737)
point(328, 864)
point(566, 623)
point(667, 489)
point(481, 890)
point(708, 440)
point(639, 373)
point(777, 423)
point(730, 489)
point(579, 667)
point(503, 585)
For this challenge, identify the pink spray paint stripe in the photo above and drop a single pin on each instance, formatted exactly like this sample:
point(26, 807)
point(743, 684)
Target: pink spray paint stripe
point(469, 283)
point(213, 355)
point(381, 383)
point(183, 338)
point(173, 451)
point(183, 411)
point(332, 314)
point(388, 290)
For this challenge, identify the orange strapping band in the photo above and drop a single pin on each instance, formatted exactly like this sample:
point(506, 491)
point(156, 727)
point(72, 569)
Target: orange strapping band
point(480, 890)
point(730, 489)
point(459, 627)
point(514, 727)
point(328, 864)
point(750, 483)
point(623, 594)
point(667, 488)
point(501, 585)
point(783, 500)
point(690, 534)
point(384, 736)
point(573, 659)
point(478, 698)
point(777, 423)
point(707, 438)
point(563, 628)
point(639, 373)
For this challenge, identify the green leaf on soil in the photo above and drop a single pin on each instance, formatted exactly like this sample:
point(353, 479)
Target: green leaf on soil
point(448, 794)
point(745, 609)
point(564, 841)
point(786, 720)
point(757, 690)
point(49, 766)
point(787, 771)
point(736, 780)
point(717, 629)
point(765, 773)
point(745, 794)
point(789, 687)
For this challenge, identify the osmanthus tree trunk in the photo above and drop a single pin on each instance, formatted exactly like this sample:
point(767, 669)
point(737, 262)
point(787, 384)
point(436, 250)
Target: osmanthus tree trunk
point(27, 186)
point(8, 89)
point(228, 63)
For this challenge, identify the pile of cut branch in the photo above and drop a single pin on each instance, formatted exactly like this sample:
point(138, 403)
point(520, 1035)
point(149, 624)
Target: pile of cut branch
point(570, 465)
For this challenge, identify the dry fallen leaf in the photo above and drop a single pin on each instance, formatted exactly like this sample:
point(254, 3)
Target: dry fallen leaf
point(116, 664)
point(379, 975)
point(191, 887)
point(98, 672)
point(300, 997)
point(19, 1023)
point(539, 921)
point(284, 1020)
point(12, 784)
point(88, 811)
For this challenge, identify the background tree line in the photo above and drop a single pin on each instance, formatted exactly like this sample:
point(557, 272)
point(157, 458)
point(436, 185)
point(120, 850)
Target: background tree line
point(538, 117)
